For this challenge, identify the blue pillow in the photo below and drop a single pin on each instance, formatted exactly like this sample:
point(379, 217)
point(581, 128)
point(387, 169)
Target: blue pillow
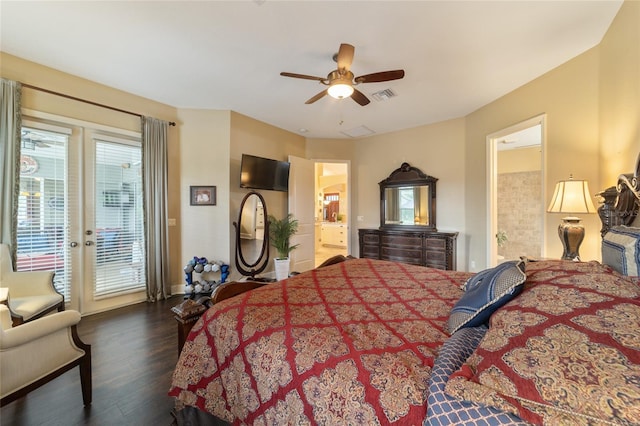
point(621, 250)
point(485, 292)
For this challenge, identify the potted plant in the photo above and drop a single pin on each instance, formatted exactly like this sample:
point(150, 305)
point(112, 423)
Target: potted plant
point(501, 238)
point(280, 231)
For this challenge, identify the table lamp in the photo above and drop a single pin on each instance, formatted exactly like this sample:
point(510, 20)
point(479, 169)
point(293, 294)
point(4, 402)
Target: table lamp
point(573, 197)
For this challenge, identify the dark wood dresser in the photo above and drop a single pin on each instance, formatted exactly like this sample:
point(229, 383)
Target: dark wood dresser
point(425, 248)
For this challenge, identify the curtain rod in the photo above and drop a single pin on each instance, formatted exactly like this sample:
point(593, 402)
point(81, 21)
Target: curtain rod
point(29, 86)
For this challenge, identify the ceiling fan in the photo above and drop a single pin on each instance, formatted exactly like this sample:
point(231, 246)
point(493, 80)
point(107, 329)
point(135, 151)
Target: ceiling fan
point(341, 81)
point(32, 141)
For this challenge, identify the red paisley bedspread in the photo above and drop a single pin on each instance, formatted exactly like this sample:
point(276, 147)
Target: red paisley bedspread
point(351, 343)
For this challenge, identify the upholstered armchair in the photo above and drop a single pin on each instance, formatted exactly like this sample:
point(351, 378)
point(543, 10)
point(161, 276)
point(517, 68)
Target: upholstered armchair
point(31, 293)
point(38, 351)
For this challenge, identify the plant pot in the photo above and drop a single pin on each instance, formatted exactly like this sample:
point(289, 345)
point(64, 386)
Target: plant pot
point(282, 268)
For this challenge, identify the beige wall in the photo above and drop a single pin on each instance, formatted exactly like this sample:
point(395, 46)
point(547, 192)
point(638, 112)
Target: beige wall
point(437, 149)
point(592, 104)
point(14, 68)
point(330, 149)
point(519, 160)
point(620, 94)
point(568, 95)
point(250, 136)
point(204, 161)
point(204, 149)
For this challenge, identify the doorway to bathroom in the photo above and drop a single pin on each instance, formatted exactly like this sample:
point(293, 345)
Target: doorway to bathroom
point(516, 177)
point(331, 210)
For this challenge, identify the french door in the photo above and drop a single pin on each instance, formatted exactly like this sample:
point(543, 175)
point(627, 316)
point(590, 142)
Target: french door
point(80, 213)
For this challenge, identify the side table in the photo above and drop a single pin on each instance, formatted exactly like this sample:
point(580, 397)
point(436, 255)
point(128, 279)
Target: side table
point(186, 314)
point(189, 311)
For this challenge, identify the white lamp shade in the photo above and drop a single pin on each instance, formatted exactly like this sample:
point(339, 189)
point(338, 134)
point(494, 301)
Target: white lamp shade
point(340, 90)
point(571, 196)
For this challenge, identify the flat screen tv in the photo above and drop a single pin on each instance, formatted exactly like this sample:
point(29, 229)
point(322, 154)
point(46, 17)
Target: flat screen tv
point(264, 173)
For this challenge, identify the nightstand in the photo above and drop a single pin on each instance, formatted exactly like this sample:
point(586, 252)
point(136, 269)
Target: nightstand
point(191, 309)
point(186, 314)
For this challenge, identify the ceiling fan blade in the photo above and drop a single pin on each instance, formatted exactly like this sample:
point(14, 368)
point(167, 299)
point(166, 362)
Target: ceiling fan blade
point(316, 97)
point(306, 77)
point(359, 97)
point(345, 56)
point(377, 77)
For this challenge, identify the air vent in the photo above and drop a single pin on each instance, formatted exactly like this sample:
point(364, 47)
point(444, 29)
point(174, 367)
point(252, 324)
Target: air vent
point(384, 95)
point(358, 132)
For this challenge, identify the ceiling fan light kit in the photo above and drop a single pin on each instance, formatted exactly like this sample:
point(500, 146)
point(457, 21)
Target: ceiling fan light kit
point(340, 90)
point(341, 80)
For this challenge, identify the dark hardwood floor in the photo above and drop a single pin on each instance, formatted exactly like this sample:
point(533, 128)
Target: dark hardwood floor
point(134, 352)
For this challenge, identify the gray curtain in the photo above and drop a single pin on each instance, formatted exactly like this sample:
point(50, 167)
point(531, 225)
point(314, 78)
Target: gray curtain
point(416, 201)
point(392, 210)
point(10, 124)
point(154, 181)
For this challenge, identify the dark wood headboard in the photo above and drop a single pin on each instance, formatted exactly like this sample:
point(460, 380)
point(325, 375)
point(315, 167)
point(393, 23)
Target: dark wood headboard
point(621, 203)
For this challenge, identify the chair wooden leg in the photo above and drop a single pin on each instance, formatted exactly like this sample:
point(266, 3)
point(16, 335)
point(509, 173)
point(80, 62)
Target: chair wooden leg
point(16, 320)
point(85, 366)
point(85, 377)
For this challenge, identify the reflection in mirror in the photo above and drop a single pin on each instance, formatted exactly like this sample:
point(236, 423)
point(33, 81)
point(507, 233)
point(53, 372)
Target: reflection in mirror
point(252, 236)
point(408, 200)
point(252, 229)
point(408, 205)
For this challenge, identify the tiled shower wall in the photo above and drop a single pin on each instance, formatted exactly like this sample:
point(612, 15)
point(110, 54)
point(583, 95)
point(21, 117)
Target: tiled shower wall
point(520, 214)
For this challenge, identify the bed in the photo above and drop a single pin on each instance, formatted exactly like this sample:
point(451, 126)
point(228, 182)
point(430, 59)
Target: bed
point(368, 342)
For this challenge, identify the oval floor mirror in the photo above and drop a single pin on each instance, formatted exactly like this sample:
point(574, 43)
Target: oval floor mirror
point(252, 237)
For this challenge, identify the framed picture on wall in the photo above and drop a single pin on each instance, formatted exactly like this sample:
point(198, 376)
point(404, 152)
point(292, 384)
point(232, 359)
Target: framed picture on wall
point(203, 195)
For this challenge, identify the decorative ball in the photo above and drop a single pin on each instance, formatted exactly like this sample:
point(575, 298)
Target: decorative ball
point(206, 287)
point(192, 262)
point(198, 268)
point(207, 267)
point(188, 269)
point(215, 267)
point(202, 260)
point(224, 274)
point(188, 289)
point(198, 288)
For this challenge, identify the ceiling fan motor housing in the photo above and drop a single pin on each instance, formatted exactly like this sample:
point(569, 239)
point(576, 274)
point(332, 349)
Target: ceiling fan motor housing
point(340, 76)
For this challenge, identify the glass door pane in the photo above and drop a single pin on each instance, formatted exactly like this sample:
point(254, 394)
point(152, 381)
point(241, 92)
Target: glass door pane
point(119, 233)
point(43, 201)
point(80, 214)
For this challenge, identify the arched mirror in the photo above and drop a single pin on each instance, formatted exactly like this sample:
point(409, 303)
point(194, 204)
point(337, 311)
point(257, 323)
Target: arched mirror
point(408, 200)
point(252, 236)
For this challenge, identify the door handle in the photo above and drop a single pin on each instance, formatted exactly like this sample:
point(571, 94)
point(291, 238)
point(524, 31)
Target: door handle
point(73, 244)
point(88, 243)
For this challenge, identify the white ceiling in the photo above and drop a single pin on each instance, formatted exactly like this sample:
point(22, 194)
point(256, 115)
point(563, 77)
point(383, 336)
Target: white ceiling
point(525, 138)
point(457, 55)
